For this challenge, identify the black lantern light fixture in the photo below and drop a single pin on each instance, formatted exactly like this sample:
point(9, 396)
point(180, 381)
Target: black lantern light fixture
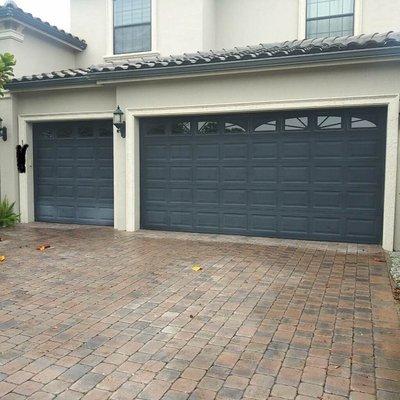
point(119, 121)
point(3, 131)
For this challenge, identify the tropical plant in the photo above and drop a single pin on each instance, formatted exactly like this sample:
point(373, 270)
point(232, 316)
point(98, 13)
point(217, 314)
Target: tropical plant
point(7, 215)
point(7, 62)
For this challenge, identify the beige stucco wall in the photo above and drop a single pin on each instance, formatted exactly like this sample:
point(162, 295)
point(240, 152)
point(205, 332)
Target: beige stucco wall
point(67, 101)
point(249, 22)
point(37, 54)
point(380, 15)
point(90, 21)
point(8, 170)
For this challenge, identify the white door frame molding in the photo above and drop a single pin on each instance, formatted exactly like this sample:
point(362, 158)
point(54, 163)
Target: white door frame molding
point(26, 181)
point(391, 101)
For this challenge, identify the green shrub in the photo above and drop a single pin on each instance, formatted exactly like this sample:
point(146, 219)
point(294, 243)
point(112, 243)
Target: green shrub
point(7, 214)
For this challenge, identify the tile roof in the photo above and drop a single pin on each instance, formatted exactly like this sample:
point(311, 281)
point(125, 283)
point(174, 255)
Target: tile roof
point(11, 11)
point(295, 49)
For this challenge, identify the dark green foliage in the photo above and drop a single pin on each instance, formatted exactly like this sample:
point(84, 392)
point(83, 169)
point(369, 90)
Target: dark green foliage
point(7, 214)
point(7, 62)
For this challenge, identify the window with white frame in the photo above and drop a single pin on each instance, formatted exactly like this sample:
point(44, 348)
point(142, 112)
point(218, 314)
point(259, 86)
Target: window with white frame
point(132, 26)
point(327, 18)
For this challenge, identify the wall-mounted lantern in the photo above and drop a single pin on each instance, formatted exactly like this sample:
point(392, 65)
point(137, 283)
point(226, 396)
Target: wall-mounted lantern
point(3, 131)
point(119, 122)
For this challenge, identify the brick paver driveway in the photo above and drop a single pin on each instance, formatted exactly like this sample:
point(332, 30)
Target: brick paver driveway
point(114, 315)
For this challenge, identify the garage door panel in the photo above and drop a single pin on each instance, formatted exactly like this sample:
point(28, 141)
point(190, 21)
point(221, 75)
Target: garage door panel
point(328, 199)
point(181, 152)
point(86, 192)
point(234, 151)
point(105, 173)
point(155, 218)
point(362, 200)
point(155, 153)
point(156, 173)
point(207, 220)
point(66, 212)
point(234, 174)
point(264, 175)
point(207, 151)
point(329, 174)
point(47, 211)
point(263, 224)
point(263, 151)
point(360, 227)
point(311, 182)
point(103, 153)
point(206, 196)
point(181, 174)
point(329, 149)
point(181, 195)
point(294, 225)
point(298, 174)
point(46, 189)
point(181, 219)
point(234, 222)
point(294, 198)
point(83, 172)
point(327, 227)
point(362, 175)
point(362, 149)
point(207, 174)
point(64, 191)
point(84, 153)
point(61, 172)
point(79, 173)
point(234, 197)
point(295, 150)
point(155, 194)
point(263, 198)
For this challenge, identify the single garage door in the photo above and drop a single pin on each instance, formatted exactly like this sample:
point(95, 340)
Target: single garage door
point(304, 175)
point(73, 172)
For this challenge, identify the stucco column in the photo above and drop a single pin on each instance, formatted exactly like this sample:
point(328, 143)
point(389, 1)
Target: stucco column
point(132, 173)
point(397, 218)
point(119, 181)
point(391, 212)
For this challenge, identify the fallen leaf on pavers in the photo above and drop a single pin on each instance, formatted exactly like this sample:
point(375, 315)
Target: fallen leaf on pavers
point(3, 258)
point(197, 268)
point(43, 247)
point(379, 259)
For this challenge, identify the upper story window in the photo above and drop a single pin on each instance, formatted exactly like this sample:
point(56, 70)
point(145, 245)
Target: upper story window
point(132, 26)
point(330, 18)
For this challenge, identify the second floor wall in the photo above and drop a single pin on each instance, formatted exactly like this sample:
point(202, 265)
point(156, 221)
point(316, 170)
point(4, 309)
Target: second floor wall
point(118, 29)
point(34, 53)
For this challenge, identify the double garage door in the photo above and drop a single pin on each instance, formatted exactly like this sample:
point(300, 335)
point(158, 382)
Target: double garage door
point(304, 175)
point(73, 172)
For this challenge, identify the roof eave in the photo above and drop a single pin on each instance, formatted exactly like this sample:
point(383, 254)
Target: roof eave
point(355, 56)
point(41, 27)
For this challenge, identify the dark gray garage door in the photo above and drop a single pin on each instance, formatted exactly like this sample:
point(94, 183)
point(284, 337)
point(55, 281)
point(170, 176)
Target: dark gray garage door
point(304, 175)
point(73, 164)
